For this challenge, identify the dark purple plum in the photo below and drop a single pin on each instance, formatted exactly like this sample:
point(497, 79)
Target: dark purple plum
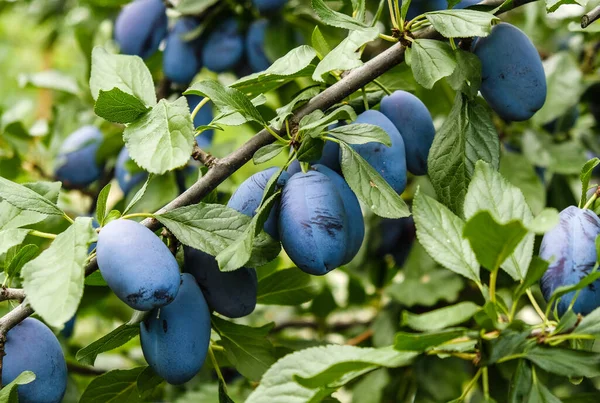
point(140, 27)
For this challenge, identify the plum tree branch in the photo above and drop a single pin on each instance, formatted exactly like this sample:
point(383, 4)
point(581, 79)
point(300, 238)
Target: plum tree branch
point(221, 169)
point(590, 17)
point(11, 293)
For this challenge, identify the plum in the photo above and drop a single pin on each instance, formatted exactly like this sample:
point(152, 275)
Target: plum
point(232, 294)
point(255, 45)
point(31, 346)
point(397, 238)
point(181, 59)
point(76, 164)
point(224, 47)
point(69, 328)
point(137, 266)
point(248, 196)
point(269, 6)
point(570, 249)
point(176, 337)
point(513, 79)
point(140, 27)
point(313, 223)
point(202, 118)
point(356, 224)
point(466, 3)
point(390, 162)
point(413, 120)
point(125, 177)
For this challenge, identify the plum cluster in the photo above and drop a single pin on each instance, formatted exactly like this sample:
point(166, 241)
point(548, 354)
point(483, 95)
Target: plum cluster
point(142, 25)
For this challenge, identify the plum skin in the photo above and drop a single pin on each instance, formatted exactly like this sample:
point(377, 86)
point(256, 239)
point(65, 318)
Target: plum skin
point(175, 338)
point(126, 179)
point(390, 162)
point(313, 224)
point(513, 78)
point(269, 6)
point(140, 27)
point(413, 120)
point(570, 249)
point(31, 346)
point(255, 46)
point(202, 118)
point(246, 199)
point(181, 61)
point(224, 47)
point(232, 294)
point(76, 164)
point(137, 266)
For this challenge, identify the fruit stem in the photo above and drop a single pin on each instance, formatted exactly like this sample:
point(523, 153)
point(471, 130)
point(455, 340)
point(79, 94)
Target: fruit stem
point(42, 234)
point(383, 87)
point(134, 215)
point(486, 384)
point(493, 277)
point(470, 385)
point(69, 219)
point(199, 106)
point(536, 306)
point(398, 14)
point(591, 200)
point(277, 136)
point(215, 364)
point(392, 17)
point(365, 99)
point(388, 38)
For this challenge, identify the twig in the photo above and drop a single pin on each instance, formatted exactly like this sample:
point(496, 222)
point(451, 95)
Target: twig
point(203, 157)
point(590, 17)
point(11, 293)
point(355, 341)
point(84, 369)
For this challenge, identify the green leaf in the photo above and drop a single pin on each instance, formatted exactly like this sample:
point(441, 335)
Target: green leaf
point(361, 133)
point(293, 62)
point(285, 111)
point(565, 362)
point(336, 19)
point(8, 394)
point(404, 8)
point(101, 204)
point(319, 367)
point(440, 233)
point(223, 397)
point(520, 172)
point(26, 199)
point(53, 281)
point(213, 227)
point(467, 135)
point(118, 106)
point(11, 237)
point(50, 79)
point(110, 341)
point(227, 99)
point(319, 43)
point(247, 348)
point(138, 195)
point(467, 74)
point(95, 280)
point(163, 139)
point(565, 289)
point(260, 83)
point(537, 268)
point(590, 324)
point(585, 176)
point(25, 254)
point(146, 382)
point(553, 5)
point(423, 341)
point(461, 23)
point(492, 242)
point(12, 217)
point(287, 287)
point(489, 191)
point(370, 187)
point(540, 394)
point(371, 388)
point(430, 61)
point(314, 123)
point(427, 289)
point(194, 7)
point(520, 383)
point(267, 153)
point(310, 150)
point(346, 55)
point(440, 318)
point(117, 386)
point(127, 73)
point(546, 220)
point(564, 81)
point(229, 117)
point(566, 157)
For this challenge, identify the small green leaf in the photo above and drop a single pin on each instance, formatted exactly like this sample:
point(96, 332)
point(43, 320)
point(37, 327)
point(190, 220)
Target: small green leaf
point(101, 204)
point(11, 237)
point(285, 111)
point(194, 7)
point(53, 281)
point(138, 195)
point(26, 199)
point(361, 133)
point(536, 270)
point(370, 187)
point(521, 173)
point(310, 150)
point(287, 287)
point(25, 254)
point(430, 61)
point(267, 153)
point(319, 43)
point(423, 341)
point(146, 382)
point(95, 280)
point(585, 176)
point(293, 62)
point(110, 341)
point(540, 394)
point(314, 123)
point(440, 318)
point(467, 75)
point(162, 139)
point(461, 23)
point(50, 79)
point(117, 386)
point(12, 217)
point(8, 394)
point(565, 362)
point(590, 324)
point(335, 19)
point(118, 106)
point(223, 397)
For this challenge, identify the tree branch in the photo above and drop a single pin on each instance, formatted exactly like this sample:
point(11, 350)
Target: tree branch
point(225, 167)
point(590, 17)
point(11, 293)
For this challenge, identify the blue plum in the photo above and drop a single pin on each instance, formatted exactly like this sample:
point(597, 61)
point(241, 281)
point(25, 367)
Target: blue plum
point(397, 238)
point(248, 196)
point(125, 177)
point(313, 223)
point(137, 266)
point(413, 120)
point(513, 79)
point(140, 27)
point(563, 123)
point(269, 6)
point(390, 162)
point(356, 224)
point(31, 346)
point(202, 118)
point(232, 294)
point(330, 158)
point(466, 3)
point(255, 45)
point(570, 249)
point(76, 164)
point(181, 59)
point(224, 47)
point(176, 338)
point(69, 328)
